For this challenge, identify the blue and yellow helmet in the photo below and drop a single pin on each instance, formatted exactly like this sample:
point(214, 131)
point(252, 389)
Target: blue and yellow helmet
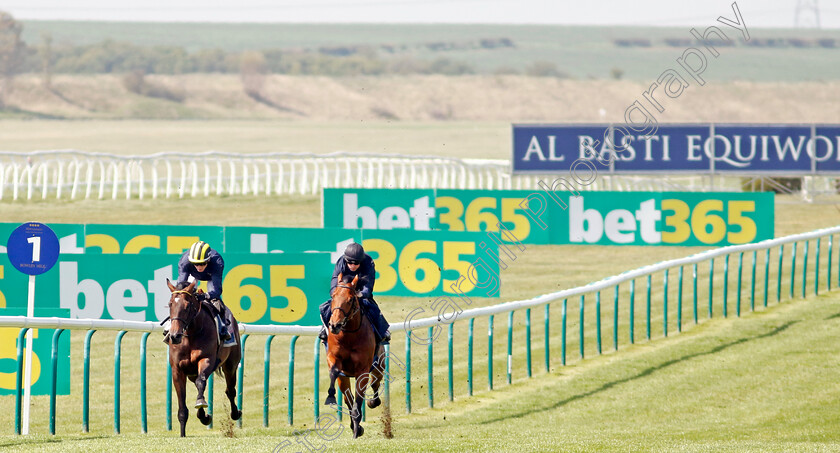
point(199, 253)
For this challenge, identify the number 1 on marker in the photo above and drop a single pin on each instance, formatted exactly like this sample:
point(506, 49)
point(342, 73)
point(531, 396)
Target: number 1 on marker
point(36, 247)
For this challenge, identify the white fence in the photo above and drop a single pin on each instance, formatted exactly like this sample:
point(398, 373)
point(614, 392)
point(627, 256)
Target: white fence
point(70, 174)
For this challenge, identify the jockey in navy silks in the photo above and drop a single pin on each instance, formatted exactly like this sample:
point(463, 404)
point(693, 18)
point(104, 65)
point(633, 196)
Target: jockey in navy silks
point(356, 262)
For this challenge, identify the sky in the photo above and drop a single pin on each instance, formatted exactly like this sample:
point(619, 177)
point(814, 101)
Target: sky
point(757, 13)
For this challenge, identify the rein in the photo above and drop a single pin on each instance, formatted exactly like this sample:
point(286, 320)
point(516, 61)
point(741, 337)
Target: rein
point(355, 308)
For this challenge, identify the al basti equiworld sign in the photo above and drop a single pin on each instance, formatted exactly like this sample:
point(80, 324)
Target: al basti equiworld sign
point(690, 148)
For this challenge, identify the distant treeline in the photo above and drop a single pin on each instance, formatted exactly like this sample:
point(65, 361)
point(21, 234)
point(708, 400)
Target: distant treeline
point(120, 57)
point(827, 43)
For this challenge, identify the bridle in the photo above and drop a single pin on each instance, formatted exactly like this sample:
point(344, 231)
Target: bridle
point(354, 309)
point(185, 323)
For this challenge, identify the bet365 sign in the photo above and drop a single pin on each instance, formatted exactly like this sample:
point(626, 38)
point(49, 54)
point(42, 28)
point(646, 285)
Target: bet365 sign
point(557, 217)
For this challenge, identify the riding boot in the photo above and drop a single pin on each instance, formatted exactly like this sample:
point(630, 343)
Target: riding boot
point(224, 333)
point(383, 327)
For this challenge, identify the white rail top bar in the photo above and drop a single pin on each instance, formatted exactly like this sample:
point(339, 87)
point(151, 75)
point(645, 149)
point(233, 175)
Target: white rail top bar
point(151, 326)
point(138, 326)
point(609, 282)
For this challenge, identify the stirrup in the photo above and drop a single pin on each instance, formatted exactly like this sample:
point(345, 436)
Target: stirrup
point(386, 339)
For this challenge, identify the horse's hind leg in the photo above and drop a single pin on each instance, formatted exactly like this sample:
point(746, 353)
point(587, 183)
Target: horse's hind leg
point(204, 371)
point(229, 369)
point(376, 378)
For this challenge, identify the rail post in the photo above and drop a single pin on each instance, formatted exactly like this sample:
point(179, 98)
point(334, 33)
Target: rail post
point(563, 335)
point(240, 377)
point(490, 353)
point(598, 320)
point(117, 354)
point(632, 315)
point(665, 304)
point(805, 267)
point(725, 285)
point(711, 284)
point(292, 380)
point(408, 371)
point(86, 383)
point(144, 425)
point(528, 340)
point(694, 290)
point(580, 324)
point(817, 269)
point(509, 347)
point(266, 377)
point(54, 380)
point(317, 379)
point(19, 379)
point(430, 372)
point(792, 268)
point(738, 298)
point(615, 318)
point(449, 368)
point(546, 340)
point(470, 357)
point(766, 274)
point(779, 274)
point(647, 307)
point(752, 281)
point(679, 299)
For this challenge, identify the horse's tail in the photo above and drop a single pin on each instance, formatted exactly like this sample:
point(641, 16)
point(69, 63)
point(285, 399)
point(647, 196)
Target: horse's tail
point(217, 369)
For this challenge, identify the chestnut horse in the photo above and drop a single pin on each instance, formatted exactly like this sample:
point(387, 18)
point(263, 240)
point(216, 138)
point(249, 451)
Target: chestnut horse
point(350, 354)
point(195, 352)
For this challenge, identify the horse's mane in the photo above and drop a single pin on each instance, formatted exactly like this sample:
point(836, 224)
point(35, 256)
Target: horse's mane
point(347, 278)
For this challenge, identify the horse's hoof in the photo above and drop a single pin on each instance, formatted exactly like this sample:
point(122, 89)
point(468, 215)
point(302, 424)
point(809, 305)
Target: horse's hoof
point(236, 415)
point(330, 401)
point(374, 403)
point(200, 403)
point(206, 420)
point(358, 432)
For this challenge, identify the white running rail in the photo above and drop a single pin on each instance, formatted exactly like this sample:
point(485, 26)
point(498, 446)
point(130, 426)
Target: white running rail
point(71, 174)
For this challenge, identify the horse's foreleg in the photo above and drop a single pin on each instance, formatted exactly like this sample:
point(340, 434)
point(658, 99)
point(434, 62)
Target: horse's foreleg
point(347, 394)
point(204, 371)
point(179, 381)
point(356, 414)
point(330, 401)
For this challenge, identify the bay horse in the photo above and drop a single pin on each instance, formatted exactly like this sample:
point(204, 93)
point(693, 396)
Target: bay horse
point(195, 351)
point(351, 352)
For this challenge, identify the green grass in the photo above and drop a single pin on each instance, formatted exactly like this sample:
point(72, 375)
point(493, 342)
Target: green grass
point(765, 382)
point(580, 51)
point(705, 389)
